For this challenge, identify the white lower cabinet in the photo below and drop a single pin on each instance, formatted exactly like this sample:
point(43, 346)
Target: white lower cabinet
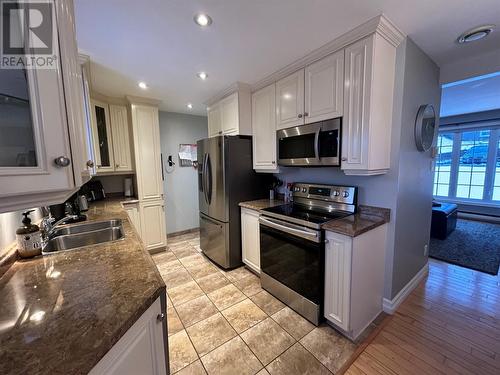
point(132, 210)
point(141, 350)
point(152, 221)
point(354, 279)
point(250, 238)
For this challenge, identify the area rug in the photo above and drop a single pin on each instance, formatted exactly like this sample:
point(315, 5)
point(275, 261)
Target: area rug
point(473, 244)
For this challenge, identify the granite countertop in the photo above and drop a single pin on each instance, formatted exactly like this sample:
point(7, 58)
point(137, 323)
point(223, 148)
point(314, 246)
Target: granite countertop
point(367, 218)
point(61, 313)
point(260, 204)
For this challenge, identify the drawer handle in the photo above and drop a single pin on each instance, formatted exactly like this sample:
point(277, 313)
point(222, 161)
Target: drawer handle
point(161, 317)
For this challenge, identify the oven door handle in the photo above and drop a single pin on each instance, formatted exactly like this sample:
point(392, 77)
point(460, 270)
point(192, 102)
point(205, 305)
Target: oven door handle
point(313, 236)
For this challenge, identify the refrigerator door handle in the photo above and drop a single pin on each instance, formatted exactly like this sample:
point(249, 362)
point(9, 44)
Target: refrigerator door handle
point(209, 180)
point(204, 178)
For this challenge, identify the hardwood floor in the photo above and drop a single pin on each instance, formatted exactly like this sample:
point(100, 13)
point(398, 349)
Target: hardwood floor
point(450, 324)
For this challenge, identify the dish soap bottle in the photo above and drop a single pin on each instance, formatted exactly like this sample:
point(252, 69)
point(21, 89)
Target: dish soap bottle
point(29, 238)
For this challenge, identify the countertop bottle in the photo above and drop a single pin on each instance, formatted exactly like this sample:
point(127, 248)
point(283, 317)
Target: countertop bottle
point(29, 238)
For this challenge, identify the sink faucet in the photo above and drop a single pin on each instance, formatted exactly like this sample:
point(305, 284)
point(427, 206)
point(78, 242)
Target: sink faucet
point(49, 225)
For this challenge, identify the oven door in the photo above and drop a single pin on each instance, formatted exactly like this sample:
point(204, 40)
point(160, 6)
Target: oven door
point(294, 256)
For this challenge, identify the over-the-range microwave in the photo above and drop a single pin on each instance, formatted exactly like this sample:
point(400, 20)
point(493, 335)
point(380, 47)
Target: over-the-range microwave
point(316, 144)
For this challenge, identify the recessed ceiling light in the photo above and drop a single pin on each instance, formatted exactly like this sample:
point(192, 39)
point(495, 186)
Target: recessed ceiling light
point(476, 33)
point(202, 75)
point(142, 85)
point(189, 105)
point(202, 19)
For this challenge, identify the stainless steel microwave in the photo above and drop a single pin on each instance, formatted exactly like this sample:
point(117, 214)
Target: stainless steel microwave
point(315, 144)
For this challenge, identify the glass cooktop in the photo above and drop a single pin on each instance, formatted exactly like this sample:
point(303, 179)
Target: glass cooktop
point(304, 213)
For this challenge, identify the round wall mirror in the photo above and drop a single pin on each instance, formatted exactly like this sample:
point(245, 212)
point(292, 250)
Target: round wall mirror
point(425, 127)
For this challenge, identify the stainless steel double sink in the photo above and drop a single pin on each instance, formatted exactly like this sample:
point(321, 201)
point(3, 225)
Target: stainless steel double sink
point(74, 236)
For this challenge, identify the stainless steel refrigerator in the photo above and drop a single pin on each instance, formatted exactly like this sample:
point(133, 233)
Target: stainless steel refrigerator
point(226, 178)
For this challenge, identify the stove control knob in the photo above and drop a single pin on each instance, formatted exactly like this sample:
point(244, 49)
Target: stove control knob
point(345, 194)
point(304, 190)
point(336, 193)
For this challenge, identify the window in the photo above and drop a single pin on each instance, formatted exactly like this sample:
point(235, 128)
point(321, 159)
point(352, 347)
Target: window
point(468, 164)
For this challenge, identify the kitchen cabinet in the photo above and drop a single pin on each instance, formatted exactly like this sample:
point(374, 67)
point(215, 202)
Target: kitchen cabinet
point(264, 129)
point(42, 142)
point(354, 279)
point(111, 135)
point(368, 101)
point(101, 132)
point(120, 135)
point(153, 228)
point(132, 210)
point(250, 238)
point(214, 121)
point(324, 88)
point(290, 101)
point(141, 350)
point(148, 159)
point(231, 114)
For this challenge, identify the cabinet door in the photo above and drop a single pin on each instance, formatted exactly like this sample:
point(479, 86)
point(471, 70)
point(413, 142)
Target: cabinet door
point(230, 114)
point(264, 128)
point(250, 239)
point(148, 164)
point(101, 131)
point(290, 100)
point(358, 61)
point(132, 210)
point(152, 217)
point(214, 121)
point(338, 254)
point(141, 350)
point(33, 133)
point(121, 139)
point(324, 88)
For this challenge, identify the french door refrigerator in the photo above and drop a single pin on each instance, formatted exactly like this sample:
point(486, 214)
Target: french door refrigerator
point(226, 178)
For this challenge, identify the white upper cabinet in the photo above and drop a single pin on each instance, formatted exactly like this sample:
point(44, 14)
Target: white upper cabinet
point(264, 129)
point(324, 88)
point(101, 132)
point(229, 114)
point(290, 101)
point(368, 100)
point(214, 120)
point(148, 164)
point(40, 111)
point(121, 138)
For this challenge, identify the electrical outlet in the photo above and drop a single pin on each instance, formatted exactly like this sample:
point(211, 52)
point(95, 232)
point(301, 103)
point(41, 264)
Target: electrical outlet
point(426, 250)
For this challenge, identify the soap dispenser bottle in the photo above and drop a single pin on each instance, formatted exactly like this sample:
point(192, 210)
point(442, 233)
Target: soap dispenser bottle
point(29, 238)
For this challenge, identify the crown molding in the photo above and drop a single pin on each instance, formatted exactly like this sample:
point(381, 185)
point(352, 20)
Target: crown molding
point(379, 24)
point(119, 100)
point(142, 100)
point(237, 86)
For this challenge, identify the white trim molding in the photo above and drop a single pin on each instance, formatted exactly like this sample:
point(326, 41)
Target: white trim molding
point(390, 306)
point(237, 86)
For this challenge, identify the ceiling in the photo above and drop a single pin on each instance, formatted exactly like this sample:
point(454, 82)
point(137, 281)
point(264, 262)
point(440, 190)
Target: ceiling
point(471, 95)
point(156, 41)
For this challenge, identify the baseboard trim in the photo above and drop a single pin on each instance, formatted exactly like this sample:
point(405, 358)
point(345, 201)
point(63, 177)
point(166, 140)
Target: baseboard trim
point(479, 217)
point(390, 306)
point(180, 233)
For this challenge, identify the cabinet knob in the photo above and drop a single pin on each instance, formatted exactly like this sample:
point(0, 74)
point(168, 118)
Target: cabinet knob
point(160, 317)
point(90, 164)
point(344, 159)
point(220, 132)
point(273, 162)
point(306, 114)
point(117, 166)
point(299, 115)
point(62, 161)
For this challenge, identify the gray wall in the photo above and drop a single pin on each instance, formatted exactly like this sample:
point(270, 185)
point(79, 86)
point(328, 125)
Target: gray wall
point(181, 184)
point(407, 188)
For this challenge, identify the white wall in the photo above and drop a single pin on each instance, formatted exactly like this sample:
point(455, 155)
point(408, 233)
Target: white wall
point(181, 185)
point(407, 188)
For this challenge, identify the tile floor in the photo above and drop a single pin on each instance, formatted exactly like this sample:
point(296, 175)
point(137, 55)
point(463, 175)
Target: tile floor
point(224, 323)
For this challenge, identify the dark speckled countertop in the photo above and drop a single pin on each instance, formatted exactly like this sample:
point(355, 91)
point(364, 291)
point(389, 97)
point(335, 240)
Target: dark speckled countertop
point(367, 217)
point(61, 313)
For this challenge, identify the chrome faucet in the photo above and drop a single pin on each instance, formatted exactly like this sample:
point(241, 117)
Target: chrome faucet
point(49, 225)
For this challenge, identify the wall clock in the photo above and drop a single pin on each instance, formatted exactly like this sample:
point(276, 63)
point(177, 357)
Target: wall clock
point(425, 127)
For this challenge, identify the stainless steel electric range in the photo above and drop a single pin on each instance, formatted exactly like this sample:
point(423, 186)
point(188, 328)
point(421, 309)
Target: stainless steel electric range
point(292, 245)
